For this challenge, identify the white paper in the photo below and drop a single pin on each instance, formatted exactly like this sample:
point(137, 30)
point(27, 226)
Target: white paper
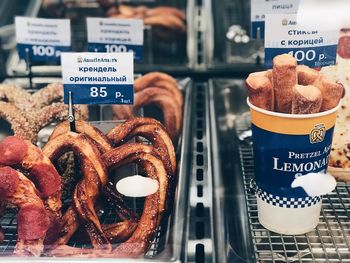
point(39, 31)
point(115, 31)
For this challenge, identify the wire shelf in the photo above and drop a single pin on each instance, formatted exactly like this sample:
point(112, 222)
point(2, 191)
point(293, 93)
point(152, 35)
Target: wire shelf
point(329, 242)
point(8, 222)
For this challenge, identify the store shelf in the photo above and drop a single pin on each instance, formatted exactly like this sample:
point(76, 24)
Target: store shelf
point(158, 54)
point(329, 242)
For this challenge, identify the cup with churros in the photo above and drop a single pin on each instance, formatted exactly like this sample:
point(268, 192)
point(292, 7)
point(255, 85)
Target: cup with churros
point(293, 113)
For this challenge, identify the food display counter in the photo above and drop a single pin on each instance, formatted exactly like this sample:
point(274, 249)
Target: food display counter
point(171, 177)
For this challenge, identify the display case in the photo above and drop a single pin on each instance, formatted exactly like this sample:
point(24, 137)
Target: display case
point(164, 49)
point(215, 214)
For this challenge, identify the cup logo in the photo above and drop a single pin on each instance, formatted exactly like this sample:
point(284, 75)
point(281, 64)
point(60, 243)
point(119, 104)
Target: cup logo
point(318, 133)
point(79, 59)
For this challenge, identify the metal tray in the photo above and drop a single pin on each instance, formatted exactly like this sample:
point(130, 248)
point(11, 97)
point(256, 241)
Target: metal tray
point(169, 243)
point(158, 55)
point(248, 240)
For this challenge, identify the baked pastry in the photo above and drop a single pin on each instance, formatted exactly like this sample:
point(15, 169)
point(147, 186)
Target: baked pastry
point(293, 89)
point(29, 113)
point(260, 90)
point(306, 99)
point(339, 160)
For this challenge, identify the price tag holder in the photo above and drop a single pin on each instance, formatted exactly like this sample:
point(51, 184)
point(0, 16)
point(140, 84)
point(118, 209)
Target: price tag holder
point(41, 40)
point(115, 35)
point(259, 9)
point(98, 78)
point(312, 47)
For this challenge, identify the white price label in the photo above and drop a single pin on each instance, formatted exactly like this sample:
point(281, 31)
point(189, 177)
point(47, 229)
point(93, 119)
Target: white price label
point(98, 78)
point(115, 35)
point(41, 39)
point(260, 8)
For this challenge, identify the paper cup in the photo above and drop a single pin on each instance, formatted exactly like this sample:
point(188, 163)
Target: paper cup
point(286, 146)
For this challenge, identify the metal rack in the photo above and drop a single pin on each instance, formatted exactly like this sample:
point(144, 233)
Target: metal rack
point(329, 242)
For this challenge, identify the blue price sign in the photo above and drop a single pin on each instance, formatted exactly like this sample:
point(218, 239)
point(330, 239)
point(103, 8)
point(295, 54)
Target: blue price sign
point(99, 94)
point(314, 57)
point(309, 46)
point(98, 78)
point(115, 35)
point(42, 39)
point(40, 52)
point(137, 50)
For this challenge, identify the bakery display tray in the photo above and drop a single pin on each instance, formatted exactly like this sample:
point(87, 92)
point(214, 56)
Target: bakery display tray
point(168, 244)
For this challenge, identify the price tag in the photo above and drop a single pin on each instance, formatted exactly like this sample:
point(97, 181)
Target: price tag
point(259, 9)
point(42, 39)
point(98, 78)
point(115, 35)
point(312, 47)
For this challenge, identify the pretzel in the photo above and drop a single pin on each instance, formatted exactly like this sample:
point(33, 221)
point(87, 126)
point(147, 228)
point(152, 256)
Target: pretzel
point(165, 10)
point(169, 18)
point(154, 205)
point(20, 125)
point(32, 220)
point(95, 177)
point(153, 131)
point(28, 114)
point(172, 112)
point(70, 220)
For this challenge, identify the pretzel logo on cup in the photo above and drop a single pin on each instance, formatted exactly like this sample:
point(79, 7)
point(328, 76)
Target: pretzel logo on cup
point(318, 133)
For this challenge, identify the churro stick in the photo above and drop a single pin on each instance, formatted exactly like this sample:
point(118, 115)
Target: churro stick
point(260, 90)
point(284, 76)
point(331, 91)
point(306, 99)
point(306, 75)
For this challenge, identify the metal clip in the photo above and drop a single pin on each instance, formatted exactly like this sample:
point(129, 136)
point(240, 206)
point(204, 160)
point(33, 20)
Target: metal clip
point(71, 117)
